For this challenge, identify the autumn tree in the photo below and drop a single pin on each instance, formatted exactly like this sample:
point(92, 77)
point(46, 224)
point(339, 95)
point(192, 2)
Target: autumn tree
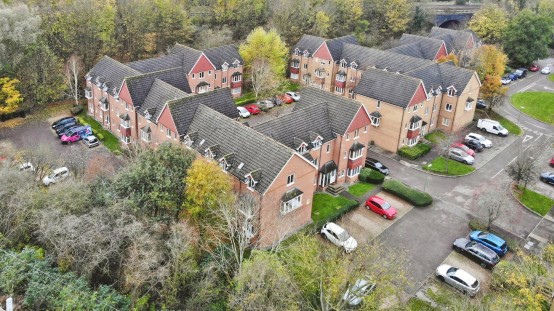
point(489, 23)
point(527, 37)
point(213, 37)
point(390, 17)
point(490, 62)
point(265, 48)
point(322, 24)
point(10, 98)
point(451, 57)
point(523, 170)
point(207, 186)
point(293, 18)
point(493, 91)
point(240, 15)
point(171, 24)
point(344, 17)
point(73, 74)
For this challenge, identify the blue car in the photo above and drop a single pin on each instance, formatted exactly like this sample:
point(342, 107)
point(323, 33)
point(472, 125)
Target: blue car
point(547, 177)
point(513, 76)
point(497, 244)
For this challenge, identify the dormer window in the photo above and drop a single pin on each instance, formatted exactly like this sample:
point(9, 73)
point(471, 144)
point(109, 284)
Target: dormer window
point(375, 118)
point(88, 77)
point(316, 144)
point(147, 115)
point(236, 63)
point(353, 65)
point(296, 52)
point(225, 66)
point(343, 63)
point(209, 154)
point(451, 91)
point(97, 82)
point(189, 139)
point(306, 53)
point(224, 165)
point(104, 87)
point(250, 181)
point(302, 148)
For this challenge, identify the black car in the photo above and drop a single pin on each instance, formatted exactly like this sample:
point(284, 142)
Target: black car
point(479, 253)
point(474, 145)
point(376, 165)
point(60, 130)
point(521, 73)
point(63, 121)
point(481, 104)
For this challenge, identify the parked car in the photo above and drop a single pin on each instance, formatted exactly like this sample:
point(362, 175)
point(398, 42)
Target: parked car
point(460, 156)
point(76, 134)
point(481, 104)
point(354, 295)
point(464, 148)
point(479, 253)
point(265, 105)
point(534, 68)
point(492, 241)
point(57, 175)
point(546, 70)
point(26, 167)
point(485, 142)
point(243, 113)
point(492, 126)
point(61, 121)
point(506, 80)
point(285, 98)
point(338, 236)
point(252, 108)
point(91, 141)
point(552, 162)
point(60, 130)
point(547, 177)
point(376, 165)
point(474, 144)
point(521, 73)
point(294, 96)
point(381, 207)
point(459, 279)
point(513, 76)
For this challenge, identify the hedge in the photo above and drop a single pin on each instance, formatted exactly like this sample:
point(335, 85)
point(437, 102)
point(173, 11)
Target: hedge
point(99, 136)
point(414, 196)
point(76, 110)
point(414, 152)
point(371, 176)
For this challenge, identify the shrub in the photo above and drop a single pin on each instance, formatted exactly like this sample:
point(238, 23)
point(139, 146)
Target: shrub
point(76, 110)
point(414, 152)
point(371, 176)
point(414, 196)
point(99, 136)
point(476, 224)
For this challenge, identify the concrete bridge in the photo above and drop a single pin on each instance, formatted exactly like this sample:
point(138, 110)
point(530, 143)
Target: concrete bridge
point(449, 15)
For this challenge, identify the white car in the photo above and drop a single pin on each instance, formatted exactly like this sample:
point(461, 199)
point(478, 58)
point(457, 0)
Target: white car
point(243, 113)
point(356, 293)
point(506, 80)
point(459, 279)
point(546, 70)
point(294, 96)
point(26, 167)
point(91, 141)
point(339, 237)
point(485, 142)
point(57, 174)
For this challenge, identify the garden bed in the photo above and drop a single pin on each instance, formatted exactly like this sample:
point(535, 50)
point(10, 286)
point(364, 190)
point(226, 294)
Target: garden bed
point(535, 201)
point(414, 152)
point(326, 207)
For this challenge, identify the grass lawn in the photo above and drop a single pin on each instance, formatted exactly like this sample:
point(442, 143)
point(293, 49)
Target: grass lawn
point(455, 168)
point(415, 304)
point(539, 105)
point(509, 125)
point(325, 205)
point(551, 77)
point(536, 201)
point(435, 137)
point(110, 141)
point(360, 188)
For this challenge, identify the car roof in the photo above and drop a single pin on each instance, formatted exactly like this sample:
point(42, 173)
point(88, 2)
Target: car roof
point(491, 237)
point(241, 108)
point(483, 249)
point(464, 276)
point(60, 169)
point(377, 199)
point(334, 227)
point(90, 137)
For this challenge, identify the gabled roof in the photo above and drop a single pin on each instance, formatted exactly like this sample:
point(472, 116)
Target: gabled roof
point(182, 110)
point(157, 63)
point(159, 94)
point(418, 46)
point(368, 57)
point(139, 86)
point(111, 72)
point(261, 156)
point(188, 54)
point(312, 43)
point(393, 88)
point(309, 43)
point(223, 54)
point(454, 39)
point(443, 75)
point(335, 45)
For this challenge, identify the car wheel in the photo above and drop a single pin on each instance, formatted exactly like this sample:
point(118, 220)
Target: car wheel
point(384, 216)
point(483, 129)
point(367, 207)
point(457, 249)
point(441, 278)
point(69, 142)
point(466, 163)
point(484, 265)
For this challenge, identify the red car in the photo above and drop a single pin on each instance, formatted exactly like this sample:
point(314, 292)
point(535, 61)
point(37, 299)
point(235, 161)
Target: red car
point(252, 108)
point(464, 148)
point(552, 162)
point(381, 207)
point(534, 68)
point(285, 98)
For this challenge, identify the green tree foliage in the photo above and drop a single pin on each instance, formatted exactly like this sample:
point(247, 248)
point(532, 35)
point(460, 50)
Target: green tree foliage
point(241, 15)
point(170, 16)
point(527, 37)
point(266, 45)
point(206, 186)
point(389, 17)
point(293, 18)
point(345, 15)
point(28, 273)
point(419, 21)
point(546, 8)
point(489, 60)
point(154, 180)
point(10, 98)
point(489, 23)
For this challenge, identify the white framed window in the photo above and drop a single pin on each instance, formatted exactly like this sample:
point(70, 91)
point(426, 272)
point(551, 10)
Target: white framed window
point(339, 90)
point(145, 136)
point(168, 133)
point(126, 139)
point(236, 78)
point(323, 62)
point(341, 173)
point(215, 76)
point(320, 73)
point(126, 123)
point(469, 105)
point(347, 136)
point(291, 205)
point(445, 121)
point(432, 122)
point(296, 52)
point(328, 148)
point(375, 121)
point(357, 133)
point(295, 63)
point(414, 126)
point(413, 141)
point(224, 67)
point(203, 88)
point(315, 161)
point(302, 149)
point(415, 108)
point(235, 90)
point(224, 80)
point(201, 75)
point(341, 78)
point(316, 144)
point(354, 171)
point(209, 72)
point(426, 110)
point(451, 92)
point(355, 154)
point(290, 179)
point(192, 76)
point(250, 182)
point(448, 107)
point(343, 64)
point(365, 129)
point(378, 104)
point(294, 76)
point(345, 154)
point(306, 66)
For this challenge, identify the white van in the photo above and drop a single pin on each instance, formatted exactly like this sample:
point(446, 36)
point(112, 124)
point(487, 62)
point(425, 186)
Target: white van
point(57, 174)
point(492, 127)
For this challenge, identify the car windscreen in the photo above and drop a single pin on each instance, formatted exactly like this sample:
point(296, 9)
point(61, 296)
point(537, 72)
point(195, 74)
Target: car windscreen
point(385, 205)
point(475, 284)
point(500, 127)
point(378, 164)
point(343, 236)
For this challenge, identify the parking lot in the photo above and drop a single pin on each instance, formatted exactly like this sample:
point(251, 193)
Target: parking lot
point(543, 166)
point(268, 115)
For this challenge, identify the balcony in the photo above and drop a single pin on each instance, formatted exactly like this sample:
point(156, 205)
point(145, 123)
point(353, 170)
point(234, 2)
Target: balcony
point(354, 163)
point(88, 93)
point(125, 131)
point(294, 70)
point(413, 133)
point(104, 105)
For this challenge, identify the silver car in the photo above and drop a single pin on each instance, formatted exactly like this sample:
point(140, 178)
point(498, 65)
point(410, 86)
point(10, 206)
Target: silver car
point(91, 141)
point(358, 291)
point(460, 156)
point(338, 236)
point(459, 279)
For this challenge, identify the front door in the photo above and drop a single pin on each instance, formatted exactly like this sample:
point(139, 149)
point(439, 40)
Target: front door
point(328, 178)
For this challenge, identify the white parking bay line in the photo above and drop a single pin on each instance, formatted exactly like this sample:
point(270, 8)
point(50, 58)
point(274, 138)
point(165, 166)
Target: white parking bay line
point(527, 87)
point(497, 174)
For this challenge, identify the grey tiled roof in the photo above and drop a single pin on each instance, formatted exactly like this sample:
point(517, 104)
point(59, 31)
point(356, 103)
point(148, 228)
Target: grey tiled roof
point(390, 87)
point(443, 75)
point(183, 109)
point(453, 39)
point(317, 112)
point(188, 54)
point(308, 42)
point(111, 72)
point(257, 152)
point(139, 86)
point(312, 43)
point(157, 63)
point(368, 57)
point(222, 54)
point(418, 46)
point(159, 94)
point(335, 45)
